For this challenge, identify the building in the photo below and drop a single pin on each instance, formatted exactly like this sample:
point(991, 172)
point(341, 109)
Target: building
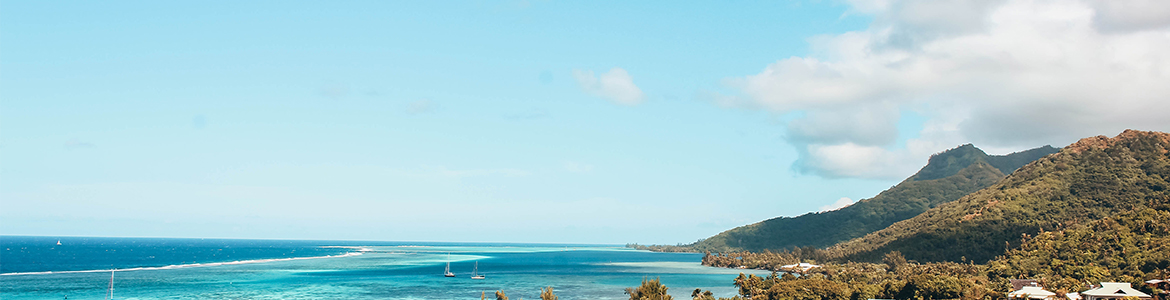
point(1113, 290)
point(1031, 292)
point(800, 268)
point(1018, 284)
point(1029, 289)
point(1161, 284)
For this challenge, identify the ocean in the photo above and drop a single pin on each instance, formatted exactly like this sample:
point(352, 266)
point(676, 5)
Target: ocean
point(160, 268)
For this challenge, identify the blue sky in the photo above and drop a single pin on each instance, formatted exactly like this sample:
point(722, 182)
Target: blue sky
point(514, 121)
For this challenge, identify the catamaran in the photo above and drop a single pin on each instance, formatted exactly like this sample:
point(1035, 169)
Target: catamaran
point(447, 272)
point(475, 272)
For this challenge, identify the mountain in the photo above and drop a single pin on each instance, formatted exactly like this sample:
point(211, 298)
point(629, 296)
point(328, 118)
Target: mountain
point(946, 177)
point(1092, 179)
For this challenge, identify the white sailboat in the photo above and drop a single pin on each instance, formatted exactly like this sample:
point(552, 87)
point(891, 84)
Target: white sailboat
point(475, 272)
point(447, 273)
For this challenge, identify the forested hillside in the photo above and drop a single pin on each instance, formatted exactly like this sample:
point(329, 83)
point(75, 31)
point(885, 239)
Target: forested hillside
point(1132, 246)
point(1092, 179)
point(946, 177)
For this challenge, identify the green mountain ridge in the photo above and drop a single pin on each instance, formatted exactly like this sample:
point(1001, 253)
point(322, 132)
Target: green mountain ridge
point(1093, 179)
point(946, 177)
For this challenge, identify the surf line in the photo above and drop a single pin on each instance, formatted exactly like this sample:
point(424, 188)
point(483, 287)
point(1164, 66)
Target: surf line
point(228, 263)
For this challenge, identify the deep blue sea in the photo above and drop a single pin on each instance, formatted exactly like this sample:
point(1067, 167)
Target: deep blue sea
point(159, 268)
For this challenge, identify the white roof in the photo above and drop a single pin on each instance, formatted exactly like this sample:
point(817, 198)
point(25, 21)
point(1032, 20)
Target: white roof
point(1155, 281)
point(804, 266)
point(1114, 289)
point(1033, 292)
point(1073, 296)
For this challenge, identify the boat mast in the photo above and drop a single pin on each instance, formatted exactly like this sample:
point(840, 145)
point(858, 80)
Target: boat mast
point(111, 295)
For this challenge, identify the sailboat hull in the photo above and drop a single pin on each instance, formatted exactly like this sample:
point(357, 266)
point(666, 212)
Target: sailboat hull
point(475, 272)
point(447, 271)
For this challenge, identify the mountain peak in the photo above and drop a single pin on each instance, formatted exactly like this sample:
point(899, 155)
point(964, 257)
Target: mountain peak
point(950, 162)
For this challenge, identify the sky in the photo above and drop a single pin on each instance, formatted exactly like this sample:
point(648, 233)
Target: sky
point(649, 122)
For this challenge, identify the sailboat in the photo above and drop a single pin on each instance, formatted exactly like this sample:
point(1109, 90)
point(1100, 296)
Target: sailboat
point(475, 272)
point(447, 273)
point(58, 242)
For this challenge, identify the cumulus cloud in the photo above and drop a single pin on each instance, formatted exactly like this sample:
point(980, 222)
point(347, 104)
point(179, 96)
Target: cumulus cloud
point(615, 85)
point(1008, 74)
point(839, 204)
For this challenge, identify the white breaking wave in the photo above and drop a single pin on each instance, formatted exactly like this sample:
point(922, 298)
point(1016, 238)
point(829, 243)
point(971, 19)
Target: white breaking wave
point(358, 248)
point(228, 263)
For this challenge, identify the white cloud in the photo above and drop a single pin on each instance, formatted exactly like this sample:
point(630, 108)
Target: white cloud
point(852, 160)
point(1131, 15)
point(1011, 74)
point(839, 204)
point(615, 85)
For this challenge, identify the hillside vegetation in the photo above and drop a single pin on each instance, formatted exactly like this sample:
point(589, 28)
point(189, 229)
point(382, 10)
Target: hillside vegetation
point(1133, 246)
point(1097, 211)
point(1130, 247)
point(946, 177)
point(1090, 180)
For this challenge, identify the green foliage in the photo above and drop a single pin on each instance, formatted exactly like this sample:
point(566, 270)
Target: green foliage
point(949, 176)
point(1130, 247)
point(699, 294)
point(1090, 180)
point(950, 162)
point(868, 281)
point(649, 290)
point(547, 294)
point(1097, 211)
point(1011, 162)
point(895, 261)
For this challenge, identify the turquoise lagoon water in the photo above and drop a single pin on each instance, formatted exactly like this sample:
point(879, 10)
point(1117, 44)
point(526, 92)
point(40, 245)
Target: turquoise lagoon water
point(36, 268)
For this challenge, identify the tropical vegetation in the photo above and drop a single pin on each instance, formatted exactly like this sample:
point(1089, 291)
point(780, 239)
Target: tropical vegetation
point(948, 176)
